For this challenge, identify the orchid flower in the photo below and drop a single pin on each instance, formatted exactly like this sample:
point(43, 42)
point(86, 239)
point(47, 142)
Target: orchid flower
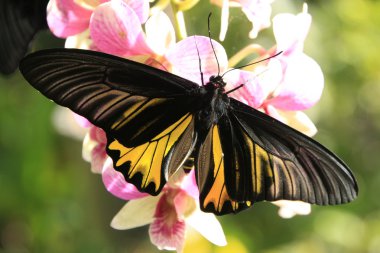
point(289, 209)
point(94, 148)
point(290, 82)
point(66, 18)
point(257, 11)
point(302, 78)
point(169, 214)
point(129, 40)
point(72, 17)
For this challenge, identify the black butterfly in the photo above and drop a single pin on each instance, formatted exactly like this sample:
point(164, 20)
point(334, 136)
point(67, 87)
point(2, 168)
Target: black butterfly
point(20, 20)
point(156, 121)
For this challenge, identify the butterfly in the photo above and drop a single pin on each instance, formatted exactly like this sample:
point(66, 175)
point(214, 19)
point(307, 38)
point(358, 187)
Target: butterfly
point(156, 122)
point(20, 20)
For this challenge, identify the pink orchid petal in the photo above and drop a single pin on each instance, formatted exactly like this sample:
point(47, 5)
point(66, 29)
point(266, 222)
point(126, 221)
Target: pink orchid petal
point(258, 13)
point(167, 238)
point(180, 203)
point(208, 226)
point(135, 213)
point(302, 84)
point(184, 58)
point(140, 7)
point(98, 157)
point(167, 231)
point(271, 75)
point(290, 31)
point(66, 18)
point(113, 33)
point(184, 204)
point(189, 185)
point(98, 135)
point(160, 33)
point(115, 183)
point(252, 93)
point(82, 121)
point(94, 149)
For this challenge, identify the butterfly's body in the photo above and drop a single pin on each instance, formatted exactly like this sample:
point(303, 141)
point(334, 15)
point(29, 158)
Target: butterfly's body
point(214, 104)
point(157, 122)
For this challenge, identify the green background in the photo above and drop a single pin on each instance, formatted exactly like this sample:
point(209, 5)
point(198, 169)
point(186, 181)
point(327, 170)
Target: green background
point(51, 202)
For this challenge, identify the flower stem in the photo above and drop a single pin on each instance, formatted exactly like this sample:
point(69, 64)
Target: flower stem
point(179, 24)
point(184, 5)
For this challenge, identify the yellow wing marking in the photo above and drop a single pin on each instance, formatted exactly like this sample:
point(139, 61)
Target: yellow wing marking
point(262, 169)
point(217, 194)
point(137, 106)
point(270, 173)
point(147, 158)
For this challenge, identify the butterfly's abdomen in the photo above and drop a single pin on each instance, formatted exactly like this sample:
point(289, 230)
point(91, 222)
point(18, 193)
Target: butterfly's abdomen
point(214, 106)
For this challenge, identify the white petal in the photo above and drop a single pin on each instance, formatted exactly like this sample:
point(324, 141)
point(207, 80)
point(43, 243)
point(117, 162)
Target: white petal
point(160, 33)
point(208, 226)
point(296, 119)
point(81, 40)
point(291, 30)
point(303, 123)
point(88, 4)
point(135, 213)
point(87, 147)
point(288, 208)
point(224, 20)
point(66, 124)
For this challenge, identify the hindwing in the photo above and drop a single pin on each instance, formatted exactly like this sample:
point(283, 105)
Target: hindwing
point(149, 165)
point(286, 164)
point(211, 172)
point(248, 156)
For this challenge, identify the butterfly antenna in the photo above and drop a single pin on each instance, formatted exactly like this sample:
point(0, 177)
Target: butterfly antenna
point(236, 88)
point(200, 62)
point(242, 66)
point(241, 85)
point(212, 46)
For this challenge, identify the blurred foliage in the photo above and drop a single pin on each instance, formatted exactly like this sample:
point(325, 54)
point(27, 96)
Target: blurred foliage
point(51, 202)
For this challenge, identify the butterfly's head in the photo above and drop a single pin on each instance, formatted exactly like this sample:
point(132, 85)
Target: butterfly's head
point(216, 82)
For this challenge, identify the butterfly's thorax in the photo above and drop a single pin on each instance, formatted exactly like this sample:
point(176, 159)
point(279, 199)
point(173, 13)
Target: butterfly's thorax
point(214, 103)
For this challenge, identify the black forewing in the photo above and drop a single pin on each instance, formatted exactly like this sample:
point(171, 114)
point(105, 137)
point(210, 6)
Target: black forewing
point(286, 164)
point(20, 20)
point(131, 101)
point(147, 113)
